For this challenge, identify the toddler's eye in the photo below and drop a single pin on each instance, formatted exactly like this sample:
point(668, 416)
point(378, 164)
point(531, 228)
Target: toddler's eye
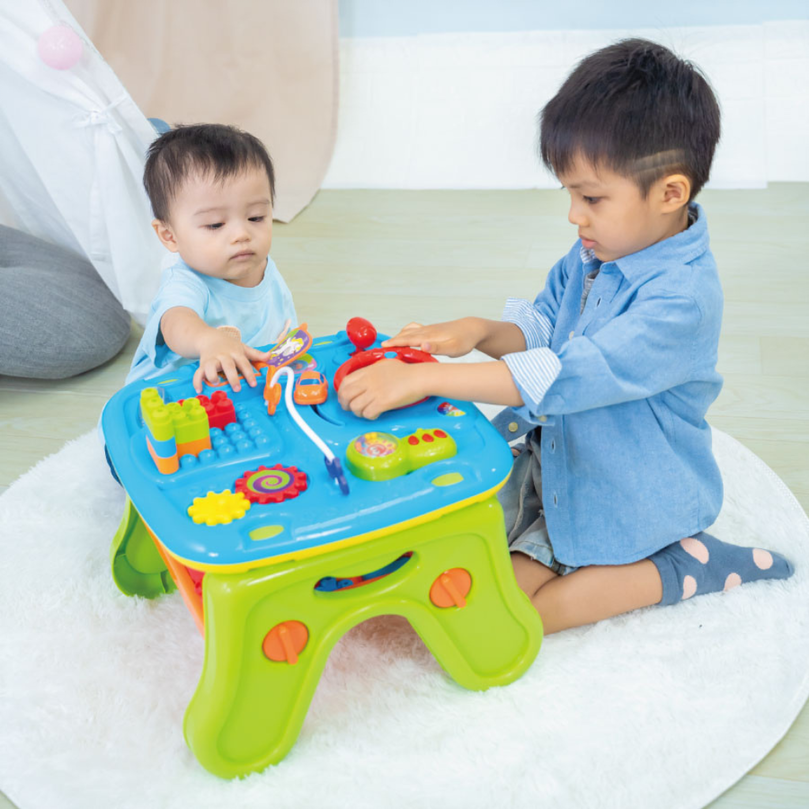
point(591, 200)
point(257, 218)
point(215, 226)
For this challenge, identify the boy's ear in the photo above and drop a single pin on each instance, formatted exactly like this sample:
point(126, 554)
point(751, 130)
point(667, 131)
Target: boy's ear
point(166, 235)
point(675, 192)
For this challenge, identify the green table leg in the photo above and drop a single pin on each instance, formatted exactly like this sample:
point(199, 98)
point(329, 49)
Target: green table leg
point(137, 568)
point(248, 710)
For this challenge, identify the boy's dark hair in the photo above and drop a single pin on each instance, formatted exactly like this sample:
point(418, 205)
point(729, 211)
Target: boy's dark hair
point(209, 149)
point(637, 109)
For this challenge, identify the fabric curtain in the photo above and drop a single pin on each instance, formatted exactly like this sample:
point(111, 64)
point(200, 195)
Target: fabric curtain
point(267, 66)
point(73, 141)
point(71, 155)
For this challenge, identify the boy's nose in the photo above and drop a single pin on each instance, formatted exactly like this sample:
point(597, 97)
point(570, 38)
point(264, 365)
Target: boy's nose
point(576, 216)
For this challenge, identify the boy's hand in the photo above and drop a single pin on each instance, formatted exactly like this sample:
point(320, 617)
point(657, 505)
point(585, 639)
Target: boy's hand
point(224, 351)
point(382, 386)
point(452, 339)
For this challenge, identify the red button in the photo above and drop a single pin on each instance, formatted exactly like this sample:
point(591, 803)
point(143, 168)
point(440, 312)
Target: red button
point(412, 440)
point(427, 437)
point(439, 434)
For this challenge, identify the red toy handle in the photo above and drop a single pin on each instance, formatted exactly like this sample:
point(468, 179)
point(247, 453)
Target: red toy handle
point(362, 359)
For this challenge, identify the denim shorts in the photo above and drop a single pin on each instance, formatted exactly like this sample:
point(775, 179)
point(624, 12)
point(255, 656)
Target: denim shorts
point(521, 499)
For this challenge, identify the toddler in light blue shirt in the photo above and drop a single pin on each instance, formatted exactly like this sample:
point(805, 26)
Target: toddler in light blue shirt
point(613, 367)
point(212, 188)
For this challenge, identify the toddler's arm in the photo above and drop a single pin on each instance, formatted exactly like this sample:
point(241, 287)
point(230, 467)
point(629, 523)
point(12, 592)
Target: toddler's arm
point(188, 335)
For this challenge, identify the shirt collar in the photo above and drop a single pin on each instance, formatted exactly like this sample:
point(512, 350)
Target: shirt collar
point(678, 249)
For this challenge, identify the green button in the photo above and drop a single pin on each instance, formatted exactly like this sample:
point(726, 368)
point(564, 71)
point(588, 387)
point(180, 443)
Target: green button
point(382, 456)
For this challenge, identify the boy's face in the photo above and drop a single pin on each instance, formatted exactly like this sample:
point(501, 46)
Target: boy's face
point(612, 216)
point(222, 229)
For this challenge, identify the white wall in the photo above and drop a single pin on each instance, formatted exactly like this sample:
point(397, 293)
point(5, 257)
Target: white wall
point(458, 110)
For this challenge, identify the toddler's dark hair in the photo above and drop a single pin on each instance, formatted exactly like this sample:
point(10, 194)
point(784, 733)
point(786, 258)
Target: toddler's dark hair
point(212, 150)
point(637, 109)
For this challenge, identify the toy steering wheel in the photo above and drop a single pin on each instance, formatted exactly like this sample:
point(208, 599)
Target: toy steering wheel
point(362, 334)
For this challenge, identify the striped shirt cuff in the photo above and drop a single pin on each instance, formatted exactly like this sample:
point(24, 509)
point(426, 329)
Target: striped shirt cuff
point(533, 371)
point(536, 328)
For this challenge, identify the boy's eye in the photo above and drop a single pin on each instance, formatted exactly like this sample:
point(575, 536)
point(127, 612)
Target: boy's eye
point(215, 226)
point(591, 200)
point(257, 218)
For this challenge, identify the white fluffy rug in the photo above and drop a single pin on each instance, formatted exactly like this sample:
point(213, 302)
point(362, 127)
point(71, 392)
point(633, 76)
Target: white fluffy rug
point(666, 707)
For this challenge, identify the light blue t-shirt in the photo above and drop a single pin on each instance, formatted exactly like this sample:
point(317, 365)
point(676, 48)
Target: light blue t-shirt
point(620, 388)
point(259, 312)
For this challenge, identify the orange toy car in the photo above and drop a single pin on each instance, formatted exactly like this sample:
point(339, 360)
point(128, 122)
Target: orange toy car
point(311, 388)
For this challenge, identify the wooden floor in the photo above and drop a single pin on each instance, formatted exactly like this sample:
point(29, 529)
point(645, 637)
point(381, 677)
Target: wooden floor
point(394, 256)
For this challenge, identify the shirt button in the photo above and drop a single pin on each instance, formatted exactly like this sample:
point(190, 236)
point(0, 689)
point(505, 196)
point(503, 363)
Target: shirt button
point(513, 427)
point(570, 336)
point(543, 419)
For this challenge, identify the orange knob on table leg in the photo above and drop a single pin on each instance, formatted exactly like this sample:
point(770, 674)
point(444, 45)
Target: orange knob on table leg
point(451, 588)
point(285, 641)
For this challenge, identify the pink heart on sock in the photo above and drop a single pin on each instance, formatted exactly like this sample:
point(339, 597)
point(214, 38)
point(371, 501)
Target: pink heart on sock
point(696, 548)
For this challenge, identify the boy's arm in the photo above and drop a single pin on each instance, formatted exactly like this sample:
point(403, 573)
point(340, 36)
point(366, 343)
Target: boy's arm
point(389, 384)
point(537, 320)
point(188, 335)
point(523, 326)
point(458, 337)
point(663, 340)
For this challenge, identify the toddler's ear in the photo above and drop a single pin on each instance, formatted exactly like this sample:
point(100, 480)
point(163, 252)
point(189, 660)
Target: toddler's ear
point(676, 192)
point(165, 234)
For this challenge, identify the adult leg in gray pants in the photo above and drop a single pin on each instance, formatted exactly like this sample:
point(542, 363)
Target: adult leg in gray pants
point(57, 317)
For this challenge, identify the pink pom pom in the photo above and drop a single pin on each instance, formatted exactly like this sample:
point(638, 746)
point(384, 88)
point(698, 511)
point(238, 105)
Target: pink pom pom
point(60, 47)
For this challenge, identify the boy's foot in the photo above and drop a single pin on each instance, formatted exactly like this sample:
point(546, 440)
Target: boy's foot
point(704, 564)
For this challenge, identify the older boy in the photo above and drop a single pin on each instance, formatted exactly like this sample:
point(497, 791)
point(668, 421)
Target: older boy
point(613, 366)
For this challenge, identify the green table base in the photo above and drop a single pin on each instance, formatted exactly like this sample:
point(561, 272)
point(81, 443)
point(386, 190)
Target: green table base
point(248, 710)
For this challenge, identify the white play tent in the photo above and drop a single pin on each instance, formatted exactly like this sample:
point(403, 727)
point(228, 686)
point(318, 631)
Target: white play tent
point(72, 150)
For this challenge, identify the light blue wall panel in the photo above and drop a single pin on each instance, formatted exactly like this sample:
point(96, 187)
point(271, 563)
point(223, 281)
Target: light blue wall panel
point(388, 18)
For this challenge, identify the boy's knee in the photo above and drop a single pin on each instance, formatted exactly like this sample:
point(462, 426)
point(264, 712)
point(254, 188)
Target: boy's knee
point(530, 574)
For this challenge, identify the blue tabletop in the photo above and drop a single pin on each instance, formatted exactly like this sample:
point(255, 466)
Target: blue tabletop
point(321, 514)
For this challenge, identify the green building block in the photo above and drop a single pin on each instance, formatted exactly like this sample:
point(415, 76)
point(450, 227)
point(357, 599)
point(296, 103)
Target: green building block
point(156, 415)
point(190, 422)
point(185, 423)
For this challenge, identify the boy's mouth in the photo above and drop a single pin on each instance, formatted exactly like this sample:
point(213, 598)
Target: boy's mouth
point(243, 254)
point(588, 244)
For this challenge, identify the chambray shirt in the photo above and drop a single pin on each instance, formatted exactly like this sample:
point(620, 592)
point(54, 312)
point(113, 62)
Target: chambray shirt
point(620, 388)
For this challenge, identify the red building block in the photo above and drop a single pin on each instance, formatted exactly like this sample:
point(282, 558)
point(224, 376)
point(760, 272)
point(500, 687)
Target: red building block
point(219, 409)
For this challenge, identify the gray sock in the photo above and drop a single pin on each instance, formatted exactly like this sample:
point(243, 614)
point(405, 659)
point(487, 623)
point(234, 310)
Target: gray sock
point(704, 564)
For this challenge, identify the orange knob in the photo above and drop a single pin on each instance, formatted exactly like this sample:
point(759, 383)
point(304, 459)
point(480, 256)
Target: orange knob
point(451, 588)
point(285, 641)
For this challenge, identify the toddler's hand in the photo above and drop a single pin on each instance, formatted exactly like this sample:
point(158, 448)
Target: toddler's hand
point(224, 351)
point(452, 339)
point(382, 386)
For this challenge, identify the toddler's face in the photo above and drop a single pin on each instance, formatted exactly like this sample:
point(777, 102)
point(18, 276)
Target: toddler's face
point(612, 217)
point(223, 229)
